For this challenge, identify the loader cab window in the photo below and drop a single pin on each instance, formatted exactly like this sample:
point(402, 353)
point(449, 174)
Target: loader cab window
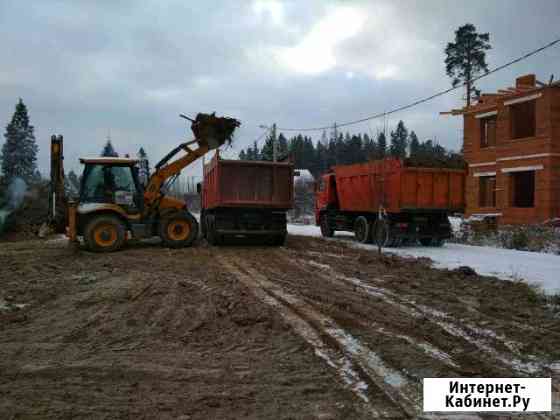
point(122, 179)
point(100, 182)
point(93, 187)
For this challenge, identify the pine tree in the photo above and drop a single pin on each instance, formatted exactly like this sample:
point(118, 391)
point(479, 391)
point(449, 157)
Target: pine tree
point(466, 58)
point(143, 166)
point(19, 153)
point(322, 159)
point(255, 154)
point(108, 150)
point(399, 140)
point(308, 154)
point(381, 145)
point(242, 155)
point(414, 144)
point(340, 150)
point(354, 152)
point(282, 147)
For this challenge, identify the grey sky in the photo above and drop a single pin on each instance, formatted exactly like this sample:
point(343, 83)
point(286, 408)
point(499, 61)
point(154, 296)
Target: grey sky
point(84, 67)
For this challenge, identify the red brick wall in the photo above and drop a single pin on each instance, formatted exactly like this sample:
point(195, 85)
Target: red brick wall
point(546, 141)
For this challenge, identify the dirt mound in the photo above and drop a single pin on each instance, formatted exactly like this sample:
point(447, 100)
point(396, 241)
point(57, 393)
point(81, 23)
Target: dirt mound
point(24, 222)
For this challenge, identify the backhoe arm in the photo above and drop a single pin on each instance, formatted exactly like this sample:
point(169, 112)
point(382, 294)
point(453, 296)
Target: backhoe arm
point(167, 170)
point(210, 133)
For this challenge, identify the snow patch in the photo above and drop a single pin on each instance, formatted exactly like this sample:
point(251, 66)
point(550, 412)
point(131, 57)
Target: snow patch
point(535, 268)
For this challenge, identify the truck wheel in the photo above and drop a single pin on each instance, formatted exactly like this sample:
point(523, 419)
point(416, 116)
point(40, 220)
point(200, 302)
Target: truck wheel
point(203, 224)
point(278, 240)
point(326, 230)
point(435, 242)
point(362, 230)
point(104, 233)
point(179, 229)
point(426, 241)
point(211, 236)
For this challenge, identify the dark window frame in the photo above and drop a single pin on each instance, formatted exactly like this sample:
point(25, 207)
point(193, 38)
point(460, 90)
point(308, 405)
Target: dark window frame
point(486, 197)
point(519, 181)
point(523, 119)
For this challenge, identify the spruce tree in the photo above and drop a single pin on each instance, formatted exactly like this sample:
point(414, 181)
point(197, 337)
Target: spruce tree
point(255, 154)
point(354, 149)
point(414, 144)
point(72, 184)
point(108, 150)
point(143, 166)
point(242, 155)
point(399, 141)
point(19, 152)
point(381, 145)
point(282, 147)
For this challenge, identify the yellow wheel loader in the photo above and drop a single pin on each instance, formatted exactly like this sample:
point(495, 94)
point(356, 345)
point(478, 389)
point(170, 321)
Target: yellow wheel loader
point(113, 204)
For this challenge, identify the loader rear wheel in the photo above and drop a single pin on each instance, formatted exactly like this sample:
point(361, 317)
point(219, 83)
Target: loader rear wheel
point(178, 230)
point(362, 230)
point(105, 234)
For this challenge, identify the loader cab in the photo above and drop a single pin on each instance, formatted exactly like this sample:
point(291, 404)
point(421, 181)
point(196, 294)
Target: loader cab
point(112, 181)
point(325, 192)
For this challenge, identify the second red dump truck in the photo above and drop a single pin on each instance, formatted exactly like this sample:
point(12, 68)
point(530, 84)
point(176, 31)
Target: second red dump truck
point(246, 198)
point(387, 202)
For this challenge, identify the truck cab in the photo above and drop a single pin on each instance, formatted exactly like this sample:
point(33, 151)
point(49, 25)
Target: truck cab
point(325, 196)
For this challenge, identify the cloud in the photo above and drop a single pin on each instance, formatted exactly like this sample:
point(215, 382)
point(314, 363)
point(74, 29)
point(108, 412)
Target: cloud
point(315, 53)
point(86, 67)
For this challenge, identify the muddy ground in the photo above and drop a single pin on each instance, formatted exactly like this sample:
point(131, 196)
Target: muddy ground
point(313, 330)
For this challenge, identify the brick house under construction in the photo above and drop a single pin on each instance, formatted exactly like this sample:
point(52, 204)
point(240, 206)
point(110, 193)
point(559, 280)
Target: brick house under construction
point(512, 147)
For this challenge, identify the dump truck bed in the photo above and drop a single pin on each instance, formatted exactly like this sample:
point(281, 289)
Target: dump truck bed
point(364, 187)
point(249, 184)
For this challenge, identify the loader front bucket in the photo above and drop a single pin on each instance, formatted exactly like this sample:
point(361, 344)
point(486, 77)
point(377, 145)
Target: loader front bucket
point(213, 131)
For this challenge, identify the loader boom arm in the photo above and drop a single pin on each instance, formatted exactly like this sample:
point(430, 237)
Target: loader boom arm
point(168, 170)
point(210, 133)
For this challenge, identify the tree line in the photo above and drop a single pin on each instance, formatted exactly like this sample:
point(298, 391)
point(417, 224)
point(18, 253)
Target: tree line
point(345, 148)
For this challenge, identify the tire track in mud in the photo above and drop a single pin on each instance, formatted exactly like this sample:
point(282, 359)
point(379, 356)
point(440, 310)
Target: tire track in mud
point(355, 363)
point(479, 337)
point(344, 367)
point(465, 331)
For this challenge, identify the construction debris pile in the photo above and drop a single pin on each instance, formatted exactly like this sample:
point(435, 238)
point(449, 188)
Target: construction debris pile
point(543, 237)
point(218, 129)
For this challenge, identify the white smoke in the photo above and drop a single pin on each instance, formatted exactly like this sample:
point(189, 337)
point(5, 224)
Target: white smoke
point(15, 195)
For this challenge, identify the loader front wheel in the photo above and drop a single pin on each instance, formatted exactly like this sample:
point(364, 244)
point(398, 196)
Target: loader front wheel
point(178, 230)
point(104, 234)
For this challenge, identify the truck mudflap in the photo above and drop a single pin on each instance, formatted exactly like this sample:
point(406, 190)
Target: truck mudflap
point(240, 232)
point(269, 225)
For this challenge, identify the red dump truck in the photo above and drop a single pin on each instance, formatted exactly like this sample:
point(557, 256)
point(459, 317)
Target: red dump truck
point(243, 198)
point(389, 203)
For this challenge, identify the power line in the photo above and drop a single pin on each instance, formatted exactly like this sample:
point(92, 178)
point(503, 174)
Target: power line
point(429, 98)
point(264, 133)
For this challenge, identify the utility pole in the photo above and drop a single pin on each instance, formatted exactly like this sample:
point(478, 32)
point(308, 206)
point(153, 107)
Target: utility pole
point(274, 144)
